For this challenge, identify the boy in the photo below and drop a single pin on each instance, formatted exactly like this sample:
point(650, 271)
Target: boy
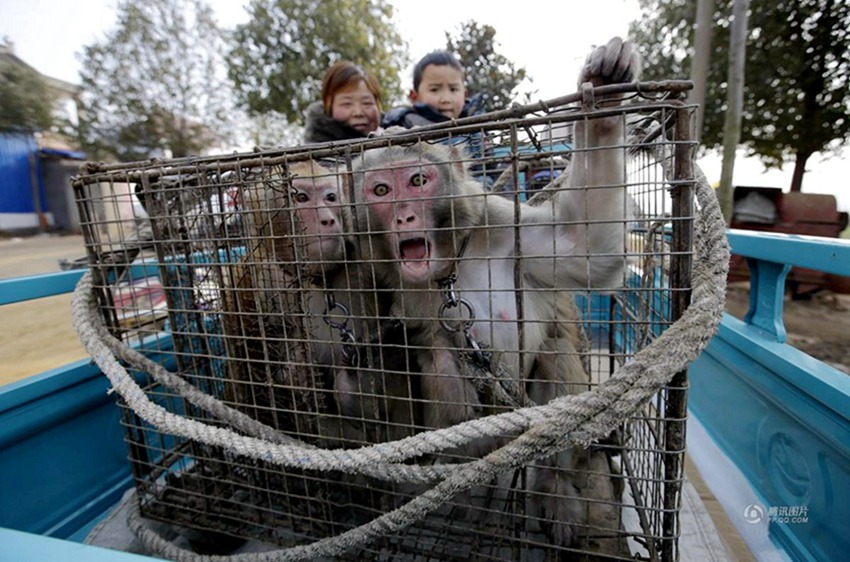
point(438, 94)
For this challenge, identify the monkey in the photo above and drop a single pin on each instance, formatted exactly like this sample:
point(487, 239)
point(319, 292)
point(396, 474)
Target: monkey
point(463, 269)
point(266, 316)
point(378, 398)
point(422, 216)
point(373, 390)
point(590, 475)
point(299, 311)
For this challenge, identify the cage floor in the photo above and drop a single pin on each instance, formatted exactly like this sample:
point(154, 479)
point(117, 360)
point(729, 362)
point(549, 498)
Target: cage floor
point(700, 539)
point(419, 542)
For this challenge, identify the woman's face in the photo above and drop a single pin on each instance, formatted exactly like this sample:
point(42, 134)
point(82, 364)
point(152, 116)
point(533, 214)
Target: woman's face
point(357, 107)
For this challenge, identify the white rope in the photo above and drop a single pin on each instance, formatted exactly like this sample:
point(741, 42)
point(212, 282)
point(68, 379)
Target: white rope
point(542, 430)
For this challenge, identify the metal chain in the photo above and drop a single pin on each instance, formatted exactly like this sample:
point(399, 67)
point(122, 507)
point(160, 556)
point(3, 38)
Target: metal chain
point(507, 392)
point(350, 352)
point(480, 357)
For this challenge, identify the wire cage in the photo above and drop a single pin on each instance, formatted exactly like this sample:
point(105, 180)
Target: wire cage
point(270, 282)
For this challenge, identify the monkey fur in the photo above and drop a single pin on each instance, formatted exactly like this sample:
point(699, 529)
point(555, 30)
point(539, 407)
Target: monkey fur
point(284, 336)
point(418, 219)
point(423, 221)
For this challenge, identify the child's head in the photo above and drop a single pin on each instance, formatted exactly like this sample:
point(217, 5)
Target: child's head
point(352, 95)
point(438, 82)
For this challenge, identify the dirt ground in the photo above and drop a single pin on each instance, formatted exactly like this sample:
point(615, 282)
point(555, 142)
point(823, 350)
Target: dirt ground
point(37, 335)
point(820, 326)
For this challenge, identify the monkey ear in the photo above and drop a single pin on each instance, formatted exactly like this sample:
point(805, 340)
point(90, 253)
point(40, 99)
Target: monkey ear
point(459, 159)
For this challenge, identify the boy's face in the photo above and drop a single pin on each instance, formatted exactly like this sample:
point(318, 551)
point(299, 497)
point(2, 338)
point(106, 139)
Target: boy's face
point(442, 88)
point(357, 107)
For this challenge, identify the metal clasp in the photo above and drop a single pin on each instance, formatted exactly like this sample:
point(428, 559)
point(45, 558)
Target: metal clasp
point(480, 357)
point(350, 352)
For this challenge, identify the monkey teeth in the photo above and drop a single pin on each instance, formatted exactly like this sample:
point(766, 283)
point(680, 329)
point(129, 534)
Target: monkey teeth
point(414, 250)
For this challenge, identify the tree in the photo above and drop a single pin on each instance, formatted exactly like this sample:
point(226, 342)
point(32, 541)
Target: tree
point(270, 129)
point(487, 72)
point(156, 83)
point(26, 100)
point(797, 84)
point(702, 55)
point(281, 54)
point(735, 103)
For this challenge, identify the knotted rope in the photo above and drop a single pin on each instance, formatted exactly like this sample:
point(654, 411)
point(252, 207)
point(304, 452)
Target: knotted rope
point(542, 430)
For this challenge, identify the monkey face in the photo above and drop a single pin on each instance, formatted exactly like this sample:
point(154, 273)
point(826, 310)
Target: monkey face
point(404, 208)
point(415, 205)
point(318, 206)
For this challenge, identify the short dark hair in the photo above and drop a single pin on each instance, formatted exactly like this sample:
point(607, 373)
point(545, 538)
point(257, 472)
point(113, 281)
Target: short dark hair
point(439, 58)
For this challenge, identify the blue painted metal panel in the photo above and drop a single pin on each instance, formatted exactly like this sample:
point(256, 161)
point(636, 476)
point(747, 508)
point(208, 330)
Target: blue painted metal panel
point(20, 289)
point(831, 255)
point(782, 416)
point(19, 401)
point(63, 460)
point(26, 547)
point(15, 183)
point(62, 454)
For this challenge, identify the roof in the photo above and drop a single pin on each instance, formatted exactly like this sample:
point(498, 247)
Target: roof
point(60, 153)
point(7, 53)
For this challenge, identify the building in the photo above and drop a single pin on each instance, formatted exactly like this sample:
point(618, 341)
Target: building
point(35, 168)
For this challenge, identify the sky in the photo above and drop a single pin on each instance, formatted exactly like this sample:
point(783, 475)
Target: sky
point(50, 34)
point(549, 39)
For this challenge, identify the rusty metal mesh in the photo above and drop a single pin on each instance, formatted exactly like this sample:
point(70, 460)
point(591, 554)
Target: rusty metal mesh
point(203, 265)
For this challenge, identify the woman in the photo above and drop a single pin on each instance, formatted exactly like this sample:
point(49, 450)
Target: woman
point(350, 106)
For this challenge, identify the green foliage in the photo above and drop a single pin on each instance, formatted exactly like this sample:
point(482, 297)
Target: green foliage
point(797, 84)
point(25, 100)
point(281, 54)
point(155, 83)
point(487, 72)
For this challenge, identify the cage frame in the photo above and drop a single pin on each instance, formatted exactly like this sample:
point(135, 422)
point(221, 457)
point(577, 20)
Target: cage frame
point(664, 547)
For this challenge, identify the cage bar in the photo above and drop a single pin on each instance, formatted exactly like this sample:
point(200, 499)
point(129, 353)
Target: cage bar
point(207, 263)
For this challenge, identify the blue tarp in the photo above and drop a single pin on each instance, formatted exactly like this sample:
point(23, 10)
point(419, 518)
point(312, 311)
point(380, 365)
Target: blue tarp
point(15, 168)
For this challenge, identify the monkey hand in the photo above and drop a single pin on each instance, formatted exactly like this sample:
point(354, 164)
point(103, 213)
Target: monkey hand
point(554, 508)
point(616, 62)
point(395, 130)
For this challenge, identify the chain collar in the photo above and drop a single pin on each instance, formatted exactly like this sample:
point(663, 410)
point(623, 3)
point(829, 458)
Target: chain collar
point(480, 357)
point(350, 352)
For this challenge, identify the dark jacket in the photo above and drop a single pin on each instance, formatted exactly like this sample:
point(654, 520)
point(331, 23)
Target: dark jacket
point(420, 114)
point(321, 127)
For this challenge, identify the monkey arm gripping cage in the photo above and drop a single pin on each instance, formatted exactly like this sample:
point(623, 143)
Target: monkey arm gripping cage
point(539, 431)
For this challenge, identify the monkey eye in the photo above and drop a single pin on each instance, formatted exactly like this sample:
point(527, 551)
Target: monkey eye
point(418, 179)
point(381, 189)
point(300, 197)
point(330, 197)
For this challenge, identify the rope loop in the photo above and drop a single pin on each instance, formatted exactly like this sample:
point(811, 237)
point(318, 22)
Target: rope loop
point(540, 430)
